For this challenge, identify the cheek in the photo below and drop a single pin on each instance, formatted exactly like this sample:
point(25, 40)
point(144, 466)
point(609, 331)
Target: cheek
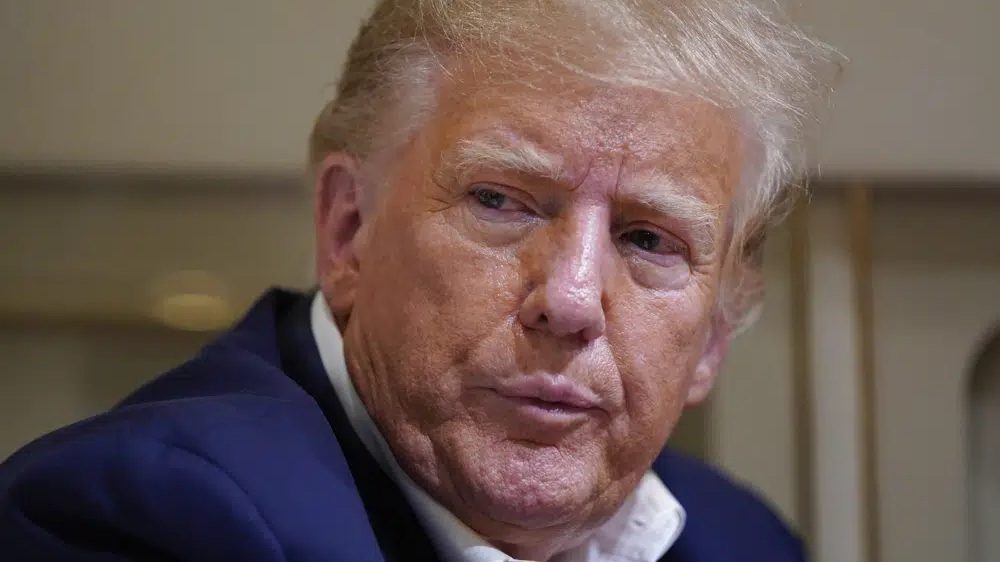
point(657, 343)
point(433, 295)
point(470, 286)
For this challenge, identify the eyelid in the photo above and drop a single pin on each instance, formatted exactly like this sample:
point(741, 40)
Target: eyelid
point(519, 196)
point(668, 237)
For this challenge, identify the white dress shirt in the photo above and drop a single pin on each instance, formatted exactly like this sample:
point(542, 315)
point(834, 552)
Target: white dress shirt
point(642, 530)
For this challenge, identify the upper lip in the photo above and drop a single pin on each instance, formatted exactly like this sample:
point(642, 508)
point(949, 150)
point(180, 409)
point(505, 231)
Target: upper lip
point(556, 389)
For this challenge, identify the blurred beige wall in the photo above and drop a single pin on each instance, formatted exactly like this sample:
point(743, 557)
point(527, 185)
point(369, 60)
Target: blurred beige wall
point(232, 84)
point(106, 247)
point(919, 95)
point(236, 83)
point(936, 301)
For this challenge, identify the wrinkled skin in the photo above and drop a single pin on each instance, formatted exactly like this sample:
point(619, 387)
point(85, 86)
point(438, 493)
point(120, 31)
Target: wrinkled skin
point(455, 280)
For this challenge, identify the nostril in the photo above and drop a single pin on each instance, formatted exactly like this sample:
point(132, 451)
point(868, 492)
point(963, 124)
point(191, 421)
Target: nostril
point(542, 319)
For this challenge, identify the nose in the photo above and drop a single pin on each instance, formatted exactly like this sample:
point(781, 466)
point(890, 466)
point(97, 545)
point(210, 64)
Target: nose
point(568, 269)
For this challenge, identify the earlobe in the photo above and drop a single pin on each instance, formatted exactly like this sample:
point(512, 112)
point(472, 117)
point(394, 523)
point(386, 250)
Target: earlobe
point(709, 364)
point(338, 223)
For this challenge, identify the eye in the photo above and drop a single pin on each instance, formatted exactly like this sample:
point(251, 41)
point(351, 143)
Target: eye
point(494, 199)
point(654, 244)
point(490, 198)
point(643, 239)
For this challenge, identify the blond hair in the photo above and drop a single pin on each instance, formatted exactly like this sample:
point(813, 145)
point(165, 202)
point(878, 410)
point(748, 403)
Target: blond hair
point(732, 53)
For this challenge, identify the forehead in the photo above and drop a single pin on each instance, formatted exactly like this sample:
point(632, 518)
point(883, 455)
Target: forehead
point(635, 130)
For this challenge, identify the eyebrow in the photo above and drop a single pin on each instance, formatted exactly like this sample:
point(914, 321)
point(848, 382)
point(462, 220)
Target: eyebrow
point(664, 195)
point(506, 152)
point(660, 192)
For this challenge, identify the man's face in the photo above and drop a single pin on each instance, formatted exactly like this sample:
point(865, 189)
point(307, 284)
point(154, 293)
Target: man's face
point(534, 296)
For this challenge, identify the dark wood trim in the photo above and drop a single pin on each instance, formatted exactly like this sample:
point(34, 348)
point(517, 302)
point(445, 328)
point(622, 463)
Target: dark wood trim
point(82, 320)
point(884, 183)
point(860, 204)
point(152, 182)
point(802, 389)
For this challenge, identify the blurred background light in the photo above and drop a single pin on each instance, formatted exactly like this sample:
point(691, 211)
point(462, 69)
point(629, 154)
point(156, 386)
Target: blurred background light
point(194, 301)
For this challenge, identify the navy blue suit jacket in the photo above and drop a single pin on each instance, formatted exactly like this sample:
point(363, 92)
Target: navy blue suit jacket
point(243, 454)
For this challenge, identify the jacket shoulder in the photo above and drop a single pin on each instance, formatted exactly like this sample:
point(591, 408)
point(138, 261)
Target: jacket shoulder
point(223, 458)
point(726, 522)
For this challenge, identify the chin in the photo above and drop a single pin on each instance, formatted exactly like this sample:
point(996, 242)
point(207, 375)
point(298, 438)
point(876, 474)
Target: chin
point(527, 486)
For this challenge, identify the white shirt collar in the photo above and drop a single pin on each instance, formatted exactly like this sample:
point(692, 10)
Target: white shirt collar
point(642, 530)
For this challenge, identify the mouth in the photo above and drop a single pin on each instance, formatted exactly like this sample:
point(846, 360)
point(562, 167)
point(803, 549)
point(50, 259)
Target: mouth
point(550, 389)
point(549, 398)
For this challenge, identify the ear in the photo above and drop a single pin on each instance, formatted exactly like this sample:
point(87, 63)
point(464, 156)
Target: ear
point(338, 223)
point(711, 361)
